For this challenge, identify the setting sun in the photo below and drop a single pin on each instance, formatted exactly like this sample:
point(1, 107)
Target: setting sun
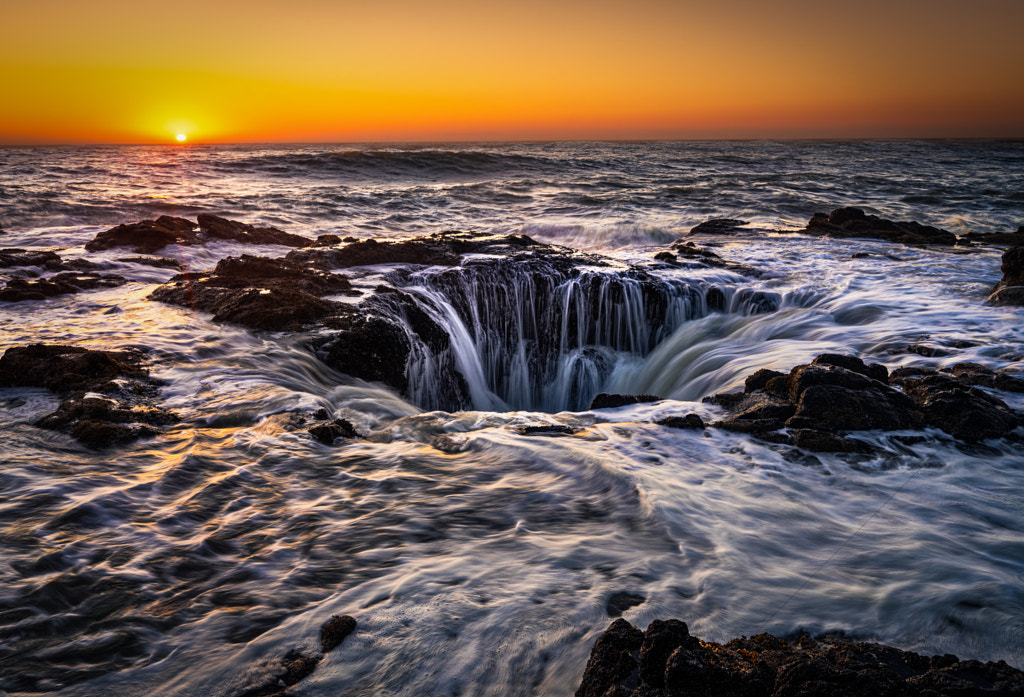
point(181, 137)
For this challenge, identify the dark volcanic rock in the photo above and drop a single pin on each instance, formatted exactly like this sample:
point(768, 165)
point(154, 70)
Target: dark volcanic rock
point(21, 257)
point(223, 229)
point(328, 433)
point(335, 630)
point(441, 249)
point(690, 421)
point(837, 393)
point(1010, 290)
point(622, 601)
point(666, 661)
point(259, 293)
point(853, 222)
point(108, 395)
point(158, 262)
point(19, 289)
point(609, 401)
point(1009, 239)
point(147, 236)
point(962, 411)
point(613, 661)
point(719, 226)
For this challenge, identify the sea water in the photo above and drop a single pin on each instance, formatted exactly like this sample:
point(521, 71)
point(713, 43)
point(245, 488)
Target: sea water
point(475, 559)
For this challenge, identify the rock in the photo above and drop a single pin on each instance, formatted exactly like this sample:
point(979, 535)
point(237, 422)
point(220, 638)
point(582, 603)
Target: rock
point(613, 661)
point(19, 289)
point(147, 236)
point(215, 227)
point(610, 401)
point(335, 630)
point(1009, 239)
point(1010, 290)
point(667, 257)
point(960, 410)
point(825, 442)
point(158, 262)
point(666, 661)
point(719, 226)
point(980, 376)
point(441, 249)
point(705, 257)
point(556, 429)
point(855, 223)
point(690, 421)
point(622, 601)
point(259, 293)
point(757, 381)
point(108, 395)
point(875, 371)
point(328, 433)
point(21, 257)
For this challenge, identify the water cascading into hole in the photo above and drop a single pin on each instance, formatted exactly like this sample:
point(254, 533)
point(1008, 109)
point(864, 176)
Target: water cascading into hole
point(540, 336)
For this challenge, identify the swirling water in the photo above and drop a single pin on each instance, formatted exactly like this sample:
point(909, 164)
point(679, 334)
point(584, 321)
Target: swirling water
point(478, 560)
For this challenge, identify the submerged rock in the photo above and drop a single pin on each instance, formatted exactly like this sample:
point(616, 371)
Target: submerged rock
point(108, 395)
point(335, 630)
point(1010, 290)
point(835, 394)
point(719, 226)
point(855, 223)
point(666, 661)
point(149, 236)
point(330, 432)
point(688, 422)
point(1009, 239)
point(610, 401)
point(19, 289)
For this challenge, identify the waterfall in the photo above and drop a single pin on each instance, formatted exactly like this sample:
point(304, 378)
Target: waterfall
point(546, 336)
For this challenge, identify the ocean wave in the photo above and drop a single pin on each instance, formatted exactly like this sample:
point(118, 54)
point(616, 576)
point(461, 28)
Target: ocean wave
point(385, 163)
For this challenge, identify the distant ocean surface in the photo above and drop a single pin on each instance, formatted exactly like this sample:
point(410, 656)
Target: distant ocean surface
point(478, 559)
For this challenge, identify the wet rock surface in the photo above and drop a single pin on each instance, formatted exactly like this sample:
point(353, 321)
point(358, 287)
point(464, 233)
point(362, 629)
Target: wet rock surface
point(108, 396)
point(15, 257)
point(719, 226)
point(836, 394)
point(666, 661)
point(855, 223)
point(610, 401)
point(150, 236)
point(259, 293)
point(296, 665)
point(1009, 239)
point(67, 283)
point(1010, 290)
point(328, 433)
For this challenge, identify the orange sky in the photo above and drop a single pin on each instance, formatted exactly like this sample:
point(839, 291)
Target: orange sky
point(335, 70)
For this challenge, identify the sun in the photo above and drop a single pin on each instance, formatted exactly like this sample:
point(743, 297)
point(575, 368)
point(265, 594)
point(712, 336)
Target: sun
point(181, 137)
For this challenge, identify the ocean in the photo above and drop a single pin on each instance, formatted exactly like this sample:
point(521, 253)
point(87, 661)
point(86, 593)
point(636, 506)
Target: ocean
point(478, 557)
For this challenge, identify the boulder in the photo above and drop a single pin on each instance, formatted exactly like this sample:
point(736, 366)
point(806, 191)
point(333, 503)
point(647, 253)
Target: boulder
point(688, 422)
point(666, 661)
point(960, 410)
point(855, 223)
point(1010, 290)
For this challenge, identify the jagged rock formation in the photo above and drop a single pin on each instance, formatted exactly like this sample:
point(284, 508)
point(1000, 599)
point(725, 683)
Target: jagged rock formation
point(109, 397)
point(836, 394)
point(853, 222)
point(150, 236)
point(465, 319)
point(666, 661)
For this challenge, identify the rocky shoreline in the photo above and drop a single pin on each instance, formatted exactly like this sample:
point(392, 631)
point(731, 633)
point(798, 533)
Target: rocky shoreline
point(666, 661)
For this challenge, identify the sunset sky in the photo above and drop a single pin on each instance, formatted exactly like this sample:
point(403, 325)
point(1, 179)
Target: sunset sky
point(327, 70)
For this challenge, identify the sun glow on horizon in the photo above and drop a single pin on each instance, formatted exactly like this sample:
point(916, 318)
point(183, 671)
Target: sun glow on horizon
point(181, 137)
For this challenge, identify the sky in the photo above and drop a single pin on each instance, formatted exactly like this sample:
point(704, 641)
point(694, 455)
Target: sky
point(137, 71)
